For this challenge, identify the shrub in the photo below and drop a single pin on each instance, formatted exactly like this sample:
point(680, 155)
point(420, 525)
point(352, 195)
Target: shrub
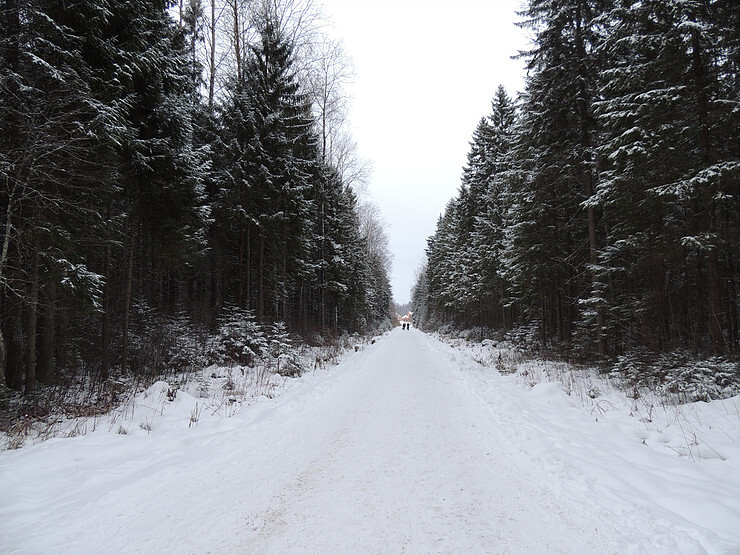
point(282, 351)
point(238, 339)
point(679, 375)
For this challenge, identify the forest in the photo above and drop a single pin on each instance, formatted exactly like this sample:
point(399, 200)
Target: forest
point(174, 176)
point(598, 214)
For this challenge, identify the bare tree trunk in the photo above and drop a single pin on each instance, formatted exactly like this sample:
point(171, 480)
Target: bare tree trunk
point(249, 265)
point(11, 21)
point(302, 308)
point(734, 320)
point(480, 316)
point(322, 276)
point(3, 258)
point(33, 303)
point(324, 129)
point(657, 271)
point(504, 311)
point(240, 272)
point(543, 321)
point(47, 339)
point(261, 282)
point(589, 185)
point(715, 301)
point(3, 348)
point(702, 102)
point(237, 39)
point(284, 292)
point(105, 340)
point(714, 284)
point(14, 367)
point(212, 58)
point(560, 318)
point(127, 304)
point(600, 339)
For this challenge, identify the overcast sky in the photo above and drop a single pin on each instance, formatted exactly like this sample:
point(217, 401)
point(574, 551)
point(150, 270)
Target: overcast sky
point(426, 71)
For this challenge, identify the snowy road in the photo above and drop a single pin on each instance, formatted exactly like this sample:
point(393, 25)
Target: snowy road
point(407, 460)
point(404, 447)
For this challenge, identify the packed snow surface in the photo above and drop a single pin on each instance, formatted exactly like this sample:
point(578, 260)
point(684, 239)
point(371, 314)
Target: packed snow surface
point(408, 445)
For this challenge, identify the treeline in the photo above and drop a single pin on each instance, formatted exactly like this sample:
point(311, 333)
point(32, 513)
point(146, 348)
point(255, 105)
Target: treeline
point(163, 173)
point(601, 211)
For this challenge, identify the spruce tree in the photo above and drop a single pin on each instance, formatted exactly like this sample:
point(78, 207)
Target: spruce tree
point(57, 164)
point(669, 109)
point(493, 164)
point(553, 214)
point(287, 164)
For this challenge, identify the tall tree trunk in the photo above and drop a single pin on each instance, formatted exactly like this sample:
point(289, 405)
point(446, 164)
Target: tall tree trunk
point(127, 304)
point(261, 281)
point(3, 348)
point(301, 309)
point(212, 58)
point(702, 102)
point(240, 271)
point(593, 256)
point(11, 53)
point(657, 275)
point(107, 308)
point(543, 321)
point(33, 303)
point(284, 292)
point(45, 368)
point(715, 301)
point(733, 293)
point(249, 265)
point(714, 284)
point(237, 39)
point(14, 366)
point(322, 257)
point(480, 316)
point(3, 259)
point(323, 127)
point(588, 177)
point(560, 319)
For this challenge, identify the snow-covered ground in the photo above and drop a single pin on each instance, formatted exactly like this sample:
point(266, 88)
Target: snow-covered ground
point(408, 445)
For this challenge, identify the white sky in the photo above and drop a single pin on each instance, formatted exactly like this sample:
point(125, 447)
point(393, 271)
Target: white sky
point(426, 71)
